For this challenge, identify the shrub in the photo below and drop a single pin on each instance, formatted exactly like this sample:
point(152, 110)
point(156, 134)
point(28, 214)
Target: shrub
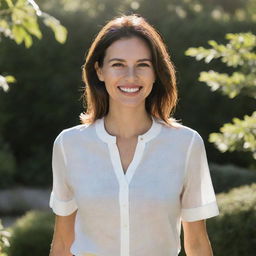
point(226, 177)
point(31, 234)
point(233, 231)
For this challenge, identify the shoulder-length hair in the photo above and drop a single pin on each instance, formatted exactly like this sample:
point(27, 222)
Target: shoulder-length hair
point(163, 97)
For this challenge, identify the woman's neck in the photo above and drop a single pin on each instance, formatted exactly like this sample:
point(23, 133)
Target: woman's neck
point(129, 125)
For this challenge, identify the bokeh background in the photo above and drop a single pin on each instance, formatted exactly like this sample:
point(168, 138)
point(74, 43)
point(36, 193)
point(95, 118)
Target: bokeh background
point(46, 98)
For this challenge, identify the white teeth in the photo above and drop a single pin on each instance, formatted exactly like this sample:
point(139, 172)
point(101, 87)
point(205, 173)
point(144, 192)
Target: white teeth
point(129, 89)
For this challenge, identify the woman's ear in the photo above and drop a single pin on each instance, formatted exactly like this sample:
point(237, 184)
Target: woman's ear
point(98, 71)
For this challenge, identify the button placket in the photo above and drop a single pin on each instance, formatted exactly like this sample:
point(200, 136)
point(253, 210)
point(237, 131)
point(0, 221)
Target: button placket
point(124, 180)
point(124, 221)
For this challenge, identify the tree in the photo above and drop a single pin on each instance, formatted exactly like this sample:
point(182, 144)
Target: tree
point(19, 22)
point(238, 53)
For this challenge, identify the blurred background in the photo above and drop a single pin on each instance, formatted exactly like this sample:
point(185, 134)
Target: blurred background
point(42, 48)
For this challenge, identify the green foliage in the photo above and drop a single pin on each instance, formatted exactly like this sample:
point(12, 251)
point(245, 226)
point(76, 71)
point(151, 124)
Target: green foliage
point(230, 85)
point(238, 136)
point(238, 53)
point(5, 81)
point(32, 233)
point(233, 231)
point(24, 23)
point(19, 22)
point(4, 239)
point(60, 32)
point(228, 176)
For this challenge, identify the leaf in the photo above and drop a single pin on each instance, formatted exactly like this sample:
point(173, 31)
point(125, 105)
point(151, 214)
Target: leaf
point(9, 3)
point(28, 40)
point(239, 135)
point(10, 79)
point(191, 52)
point(200, 56)
point(60, 32)
point(210, 57)
point(32, 27)
point(18, 15)
point(4, 24)
point(5, 28)
point(212, 43)
point(4, 82)
point(18, 33)
point(21, 3)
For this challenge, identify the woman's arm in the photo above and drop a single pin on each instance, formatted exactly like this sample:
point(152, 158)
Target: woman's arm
point(63, 235)
point(196, 241)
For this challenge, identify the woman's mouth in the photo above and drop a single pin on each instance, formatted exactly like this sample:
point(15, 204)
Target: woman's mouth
point(130, 90)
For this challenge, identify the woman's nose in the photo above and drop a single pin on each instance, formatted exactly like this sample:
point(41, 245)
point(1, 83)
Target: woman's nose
point(131, 72)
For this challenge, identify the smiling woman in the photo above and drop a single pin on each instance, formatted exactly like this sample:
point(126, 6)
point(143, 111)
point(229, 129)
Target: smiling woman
point(147, 58)
point(129, 174)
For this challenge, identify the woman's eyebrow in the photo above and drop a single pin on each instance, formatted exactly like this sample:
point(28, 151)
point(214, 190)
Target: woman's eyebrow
point(122, 60)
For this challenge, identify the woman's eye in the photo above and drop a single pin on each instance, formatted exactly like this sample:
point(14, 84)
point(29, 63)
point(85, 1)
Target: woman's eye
point(121, 64)
point(117, 64)
point(144, 64)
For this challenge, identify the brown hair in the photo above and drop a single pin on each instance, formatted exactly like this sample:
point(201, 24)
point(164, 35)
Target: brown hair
point(164, 96)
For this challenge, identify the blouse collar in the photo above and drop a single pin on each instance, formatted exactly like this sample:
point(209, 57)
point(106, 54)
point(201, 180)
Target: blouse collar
point(153, 131)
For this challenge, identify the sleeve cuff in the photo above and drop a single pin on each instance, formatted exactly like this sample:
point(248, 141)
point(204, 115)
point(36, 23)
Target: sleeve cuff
point(200, 213)
point(62, 208)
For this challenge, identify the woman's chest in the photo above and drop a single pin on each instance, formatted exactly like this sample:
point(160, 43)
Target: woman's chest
point(155, 175)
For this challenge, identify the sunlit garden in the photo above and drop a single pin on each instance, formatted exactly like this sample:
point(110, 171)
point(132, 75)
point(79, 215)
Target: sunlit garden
point(42, 49)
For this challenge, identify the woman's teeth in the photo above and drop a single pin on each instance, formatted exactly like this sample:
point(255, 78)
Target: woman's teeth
point(129, 89)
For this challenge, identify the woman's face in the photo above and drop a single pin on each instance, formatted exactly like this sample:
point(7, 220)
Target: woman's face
point(127, 66)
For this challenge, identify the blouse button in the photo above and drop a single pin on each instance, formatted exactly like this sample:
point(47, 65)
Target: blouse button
point(141, 138)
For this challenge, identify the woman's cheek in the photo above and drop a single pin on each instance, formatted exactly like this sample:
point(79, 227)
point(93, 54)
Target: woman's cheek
point(114, 73)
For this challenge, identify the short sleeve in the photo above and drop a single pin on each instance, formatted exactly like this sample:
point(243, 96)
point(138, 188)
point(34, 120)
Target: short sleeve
point(198, 200)
point(62, 199)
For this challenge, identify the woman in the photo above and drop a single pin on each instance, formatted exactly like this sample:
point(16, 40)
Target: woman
point(125, 179)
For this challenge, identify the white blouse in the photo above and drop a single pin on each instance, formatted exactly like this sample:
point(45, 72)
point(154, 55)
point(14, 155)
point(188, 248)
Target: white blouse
point(138, 213)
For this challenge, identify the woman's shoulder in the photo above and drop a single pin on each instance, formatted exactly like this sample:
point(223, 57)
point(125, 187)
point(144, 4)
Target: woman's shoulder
point(73, 132)
point(180, 130)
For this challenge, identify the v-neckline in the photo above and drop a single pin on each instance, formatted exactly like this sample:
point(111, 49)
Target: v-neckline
point(127, 152)
point(114, 151)
point(132, 160)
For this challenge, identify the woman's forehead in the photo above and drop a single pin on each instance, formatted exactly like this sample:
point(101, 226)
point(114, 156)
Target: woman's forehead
point(128, 48)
